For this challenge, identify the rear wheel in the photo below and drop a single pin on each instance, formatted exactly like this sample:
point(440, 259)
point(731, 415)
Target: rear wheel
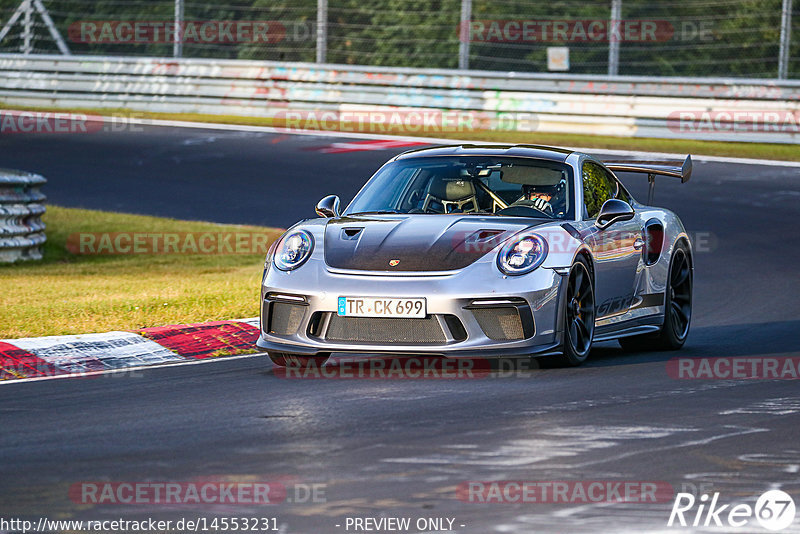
point(578, 316)
point(677, 309)
point(283, 359)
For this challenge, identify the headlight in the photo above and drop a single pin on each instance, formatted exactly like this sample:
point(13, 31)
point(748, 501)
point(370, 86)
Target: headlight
point(522, 254)
point(293, 249)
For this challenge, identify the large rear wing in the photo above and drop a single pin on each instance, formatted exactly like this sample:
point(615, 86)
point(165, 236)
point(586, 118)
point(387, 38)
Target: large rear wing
point(675, 169)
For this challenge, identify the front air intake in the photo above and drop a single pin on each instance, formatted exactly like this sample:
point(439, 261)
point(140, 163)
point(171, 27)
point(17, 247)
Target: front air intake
point(397, 330)
point(284, 318)
point(500, 323)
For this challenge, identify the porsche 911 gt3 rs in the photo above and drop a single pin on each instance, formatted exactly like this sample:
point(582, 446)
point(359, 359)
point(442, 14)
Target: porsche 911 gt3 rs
point(478, 251)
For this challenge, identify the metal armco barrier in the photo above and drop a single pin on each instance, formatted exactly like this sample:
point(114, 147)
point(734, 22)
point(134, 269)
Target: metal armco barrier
point(688, 108)
point(21, 227)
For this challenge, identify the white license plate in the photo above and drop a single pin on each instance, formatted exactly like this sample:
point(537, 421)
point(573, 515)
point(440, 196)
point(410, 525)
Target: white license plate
point(381, 307)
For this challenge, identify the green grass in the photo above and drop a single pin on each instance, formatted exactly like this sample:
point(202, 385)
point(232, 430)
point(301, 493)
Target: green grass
point(776, 151)
point(70, 293)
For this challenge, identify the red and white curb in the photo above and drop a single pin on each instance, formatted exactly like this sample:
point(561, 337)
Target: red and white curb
point(88, 354)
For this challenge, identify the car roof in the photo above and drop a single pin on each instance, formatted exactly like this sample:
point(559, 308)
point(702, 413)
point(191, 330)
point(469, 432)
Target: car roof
point(528, 151)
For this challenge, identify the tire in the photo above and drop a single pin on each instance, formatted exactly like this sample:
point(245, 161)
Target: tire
point(578, 315)
point(677, 308)
point(282, 359)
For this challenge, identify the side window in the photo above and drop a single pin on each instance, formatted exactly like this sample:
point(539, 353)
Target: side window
point(598, 187)
point(621, 193)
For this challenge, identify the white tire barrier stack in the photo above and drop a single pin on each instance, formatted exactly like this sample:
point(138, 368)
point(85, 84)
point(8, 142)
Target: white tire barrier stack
point(21, 227)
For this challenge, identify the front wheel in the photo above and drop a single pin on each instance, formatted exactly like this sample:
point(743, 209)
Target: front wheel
point(677, 309)
point(282, 359)
point(578, 316)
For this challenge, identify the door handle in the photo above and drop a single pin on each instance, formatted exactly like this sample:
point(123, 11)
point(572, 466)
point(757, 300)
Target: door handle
point(638, 244)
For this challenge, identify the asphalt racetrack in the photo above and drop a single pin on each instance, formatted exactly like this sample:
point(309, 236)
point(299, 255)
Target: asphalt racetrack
point(400, 448)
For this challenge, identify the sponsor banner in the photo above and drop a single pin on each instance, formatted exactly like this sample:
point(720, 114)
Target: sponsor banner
point(735, 368)
point(564, 492)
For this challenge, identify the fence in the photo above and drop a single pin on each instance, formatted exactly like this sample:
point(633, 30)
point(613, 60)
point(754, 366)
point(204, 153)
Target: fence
point(719, 109)
point(21, 227)
point(697, 38)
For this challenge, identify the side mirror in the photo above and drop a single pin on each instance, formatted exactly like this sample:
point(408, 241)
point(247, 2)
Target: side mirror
point(613, 210)
point(328, 207)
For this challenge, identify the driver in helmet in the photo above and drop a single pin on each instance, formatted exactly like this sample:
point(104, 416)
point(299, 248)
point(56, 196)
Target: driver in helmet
point(538, 197)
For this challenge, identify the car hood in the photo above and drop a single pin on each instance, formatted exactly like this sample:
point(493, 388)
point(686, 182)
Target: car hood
point(416, 242)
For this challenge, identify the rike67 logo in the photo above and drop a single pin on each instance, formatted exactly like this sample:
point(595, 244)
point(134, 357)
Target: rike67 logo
point(774, 510)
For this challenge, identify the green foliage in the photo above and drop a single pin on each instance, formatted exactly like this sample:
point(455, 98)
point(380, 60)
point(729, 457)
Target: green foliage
point(709, 37)
point(596, 188)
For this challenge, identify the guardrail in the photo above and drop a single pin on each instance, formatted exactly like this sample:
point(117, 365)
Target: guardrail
point(688, 108)
point(21, 227)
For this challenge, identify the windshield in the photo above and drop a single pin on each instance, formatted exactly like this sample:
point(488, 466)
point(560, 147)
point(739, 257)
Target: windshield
point(469, 184)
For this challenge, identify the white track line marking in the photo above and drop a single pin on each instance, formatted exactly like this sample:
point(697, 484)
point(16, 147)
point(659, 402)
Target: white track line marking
point(440, 141)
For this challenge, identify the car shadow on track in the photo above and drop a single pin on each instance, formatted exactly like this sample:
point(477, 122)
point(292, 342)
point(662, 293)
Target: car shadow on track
point(752, 340)
point(739, 340)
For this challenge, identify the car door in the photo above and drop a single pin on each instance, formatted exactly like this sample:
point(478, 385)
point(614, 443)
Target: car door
point(616, 249)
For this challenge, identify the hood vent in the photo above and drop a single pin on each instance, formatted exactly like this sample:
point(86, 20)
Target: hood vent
point(351, 233)
point(486, 235)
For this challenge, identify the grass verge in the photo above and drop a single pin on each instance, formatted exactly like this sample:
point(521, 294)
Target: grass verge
point(776, 151)
point(70, 293)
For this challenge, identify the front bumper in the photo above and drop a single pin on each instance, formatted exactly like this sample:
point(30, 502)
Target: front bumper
point(476, 311)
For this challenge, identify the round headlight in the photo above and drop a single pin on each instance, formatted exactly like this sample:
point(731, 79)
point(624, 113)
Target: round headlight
point(521, 255)
point(293, 249)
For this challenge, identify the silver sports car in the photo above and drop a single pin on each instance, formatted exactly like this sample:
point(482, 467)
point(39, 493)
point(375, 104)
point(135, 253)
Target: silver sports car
point(478, 251)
